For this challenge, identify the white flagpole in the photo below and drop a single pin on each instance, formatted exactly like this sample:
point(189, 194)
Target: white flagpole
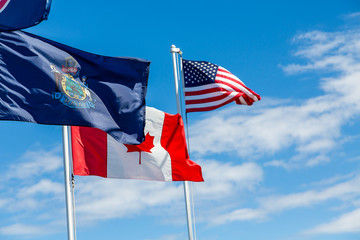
point(175, 51)
point(68, 183)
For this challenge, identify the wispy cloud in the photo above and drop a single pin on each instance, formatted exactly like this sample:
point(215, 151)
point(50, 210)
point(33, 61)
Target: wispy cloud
point(32, 188)
point(170, 237)
point(346, 223)
point(224, 179)
point(353, 15)
point(343, 191)
point(99, 199)
point(333, 51)
point(19, 229)
point(35, 163)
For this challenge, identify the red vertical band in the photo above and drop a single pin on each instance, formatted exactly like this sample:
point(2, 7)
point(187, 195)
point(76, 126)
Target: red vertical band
point(89, 151)
point(173, 141)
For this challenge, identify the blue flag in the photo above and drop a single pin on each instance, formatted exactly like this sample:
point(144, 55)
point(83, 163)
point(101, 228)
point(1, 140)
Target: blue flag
point(42, 81)
point(19, 14)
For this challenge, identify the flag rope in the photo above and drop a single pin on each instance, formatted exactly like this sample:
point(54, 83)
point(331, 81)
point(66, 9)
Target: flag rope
point(73, 199)
point(193, 208)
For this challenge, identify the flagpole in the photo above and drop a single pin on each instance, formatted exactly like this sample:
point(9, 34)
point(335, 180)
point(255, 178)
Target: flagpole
point(68, 183)
point(175, 51)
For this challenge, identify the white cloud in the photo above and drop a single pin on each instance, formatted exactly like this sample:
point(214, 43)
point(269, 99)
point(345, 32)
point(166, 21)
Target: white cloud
point(28, 189)
point(170, 237)
point(45, 186)
point(334, 51)
point(4, 202)
point(34, 163)
point(319, 43)
point(29, 194)
point(224, 179)
point(354, 15)
point(244, 214)
point(279, 163)
point(98, 198)
point(346, 191)
point(25, 230)
point(34, 197)
point(332, 180)
point(347, 223)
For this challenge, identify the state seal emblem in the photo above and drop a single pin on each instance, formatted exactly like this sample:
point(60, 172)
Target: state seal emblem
point(70, 91)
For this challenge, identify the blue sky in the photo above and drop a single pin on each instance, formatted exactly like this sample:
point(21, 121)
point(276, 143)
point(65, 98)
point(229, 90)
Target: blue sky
point(286, 168)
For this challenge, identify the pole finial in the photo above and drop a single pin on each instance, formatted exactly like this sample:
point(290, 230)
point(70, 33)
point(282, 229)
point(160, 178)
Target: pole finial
point(174, 49)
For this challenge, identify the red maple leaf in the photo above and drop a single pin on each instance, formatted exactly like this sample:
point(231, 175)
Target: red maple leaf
point(145, 146)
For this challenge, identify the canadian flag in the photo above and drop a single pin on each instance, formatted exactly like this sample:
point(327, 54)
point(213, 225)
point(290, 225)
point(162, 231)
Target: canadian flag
point(162, 156)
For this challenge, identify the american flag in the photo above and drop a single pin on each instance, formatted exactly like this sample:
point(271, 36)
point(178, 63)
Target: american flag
point(208, 87)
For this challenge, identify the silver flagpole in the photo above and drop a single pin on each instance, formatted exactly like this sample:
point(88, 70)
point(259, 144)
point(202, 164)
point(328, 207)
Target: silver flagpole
point(68, 183)
point(175, 51)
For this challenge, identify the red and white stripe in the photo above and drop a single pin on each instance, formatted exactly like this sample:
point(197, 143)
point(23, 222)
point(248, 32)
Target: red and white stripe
point(3, 4)
point(97, 153)
point(227, 88)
